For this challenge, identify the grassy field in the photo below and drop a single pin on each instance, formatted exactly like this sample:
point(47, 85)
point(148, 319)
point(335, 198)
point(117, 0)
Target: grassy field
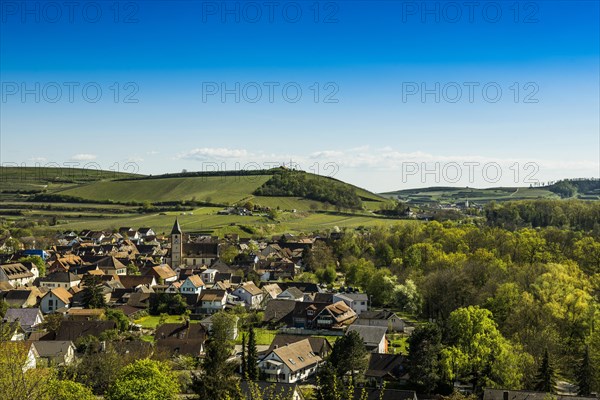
point(151, 321)
point(206, 219)
point(452, 195)
point(214, 189)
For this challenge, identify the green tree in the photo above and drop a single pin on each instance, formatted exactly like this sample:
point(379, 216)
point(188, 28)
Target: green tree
point(252, 361)
point(93, 296)
point(37, 260)
point(3, 308)
point(349, 355)
point(478, 351)
point(69, 390)
point(119, 317)
point(585, 374)
point(546, 376)
point(216, 380)
point(244, 360)
point(18, 380)
point(52, 322)
point(408, 297)
point(145, 380)
point(424, 347)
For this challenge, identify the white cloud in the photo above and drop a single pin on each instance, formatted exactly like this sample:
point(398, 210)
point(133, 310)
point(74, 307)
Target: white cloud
point(84, 157)
point(207, 153)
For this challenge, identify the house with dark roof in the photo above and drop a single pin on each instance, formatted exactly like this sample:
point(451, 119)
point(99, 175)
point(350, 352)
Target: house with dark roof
point(382, 318)
point(291, 293)
point(71, 330)
point(386, 367)
point(60, 279)
point(181, 339)
point(28, 318)
point(373, 337)
point(23, 298)
point(279, 312)
point(55, 352)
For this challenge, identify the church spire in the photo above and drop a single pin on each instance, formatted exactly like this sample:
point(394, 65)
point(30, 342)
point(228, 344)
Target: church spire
point(176, 228)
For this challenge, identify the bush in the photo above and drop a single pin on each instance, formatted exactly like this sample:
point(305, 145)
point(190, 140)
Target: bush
point(145, 380)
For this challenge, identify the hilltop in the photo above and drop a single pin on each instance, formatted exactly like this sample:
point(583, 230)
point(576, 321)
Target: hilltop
point(583, 189)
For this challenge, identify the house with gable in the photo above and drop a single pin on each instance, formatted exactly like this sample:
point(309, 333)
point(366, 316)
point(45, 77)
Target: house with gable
point(292, 363)
point(250, 294)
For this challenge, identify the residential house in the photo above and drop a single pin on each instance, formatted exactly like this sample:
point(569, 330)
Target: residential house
point(383, 318)
point(192, 285)
point(16, 275)
point(291, 293)
point(60, 279)
point(373, 337)
point(162, 273)
point(250, 294)
point(23, 298)
point(56, 299)
point(293, 363)
point(359, 302)
point(212, 301)
point(85, 314)
point(279, 312)
point(55, 352)
point(11, 331)
point(209, 275)
point(111, 266)
point(28, 318)
point(386, 367)
point(305, 314)
point(335, 316)
point(146, 232)
point(135, 281)
point(270, 291)
point(72, 330)
point(319, 345)
point(180, 339)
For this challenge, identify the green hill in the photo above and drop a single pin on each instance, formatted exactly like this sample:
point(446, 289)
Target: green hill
point(585, 189)
point(260, 187)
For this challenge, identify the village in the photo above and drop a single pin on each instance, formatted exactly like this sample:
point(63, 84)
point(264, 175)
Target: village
point(153, 280)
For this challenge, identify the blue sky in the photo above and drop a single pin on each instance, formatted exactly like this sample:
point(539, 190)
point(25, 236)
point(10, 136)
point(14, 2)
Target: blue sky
point(511, 88)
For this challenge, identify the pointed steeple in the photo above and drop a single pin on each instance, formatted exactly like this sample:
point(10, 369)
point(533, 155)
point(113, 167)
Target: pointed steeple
point(176, 228)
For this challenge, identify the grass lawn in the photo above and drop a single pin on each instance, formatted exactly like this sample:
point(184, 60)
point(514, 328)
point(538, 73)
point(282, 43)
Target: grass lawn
point(264, 337)
point(151, 322)
point(398, 343)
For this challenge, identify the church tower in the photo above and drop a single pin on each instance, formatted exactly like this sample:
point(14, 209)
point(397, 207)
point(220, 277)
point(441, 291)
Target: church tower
point(176, 245)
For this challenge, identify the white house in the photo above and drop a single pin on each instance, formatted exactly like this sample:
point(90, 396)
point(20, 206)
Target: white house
point(208, 276)
point(292, 363)
point(250, 294)
point(55, 299)
point(192, 285)
point(60, 280)
point(16, 274)
point(55, 352)
point(212, 301)
point(359, 302)
point(28, 318)
point(373, 337)
point(291, 293)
